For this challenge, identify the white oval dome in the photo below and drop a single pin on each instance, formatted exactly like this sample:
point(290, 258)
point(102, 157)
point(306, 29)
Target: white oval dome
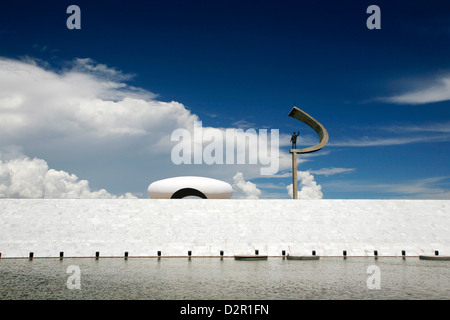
point(180, 187)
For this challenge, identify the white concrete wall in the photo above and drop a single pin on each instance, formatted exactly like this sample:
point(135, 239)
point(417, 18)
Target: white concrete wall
point(144, 226)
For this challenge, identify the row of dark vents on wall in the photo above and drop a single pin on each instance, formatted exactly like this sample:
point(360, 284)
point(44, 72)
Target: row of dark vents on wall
point(189, 254)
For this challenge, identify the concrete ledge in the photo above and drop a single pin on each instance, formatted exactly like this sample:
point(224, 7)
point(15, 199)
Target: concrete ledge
point(209, 228)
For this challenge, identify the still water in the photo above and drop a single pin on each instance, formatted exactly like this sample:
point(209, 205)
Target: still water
point(227, 279)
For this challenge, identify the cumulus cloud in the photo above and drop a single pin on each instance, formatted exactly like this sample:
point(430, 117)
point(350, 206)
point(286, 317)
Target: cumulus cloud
point(249, 189)
point(307, 188)
point(88, 102)
point(23, 177)
point(87, 115)
point(85, 104)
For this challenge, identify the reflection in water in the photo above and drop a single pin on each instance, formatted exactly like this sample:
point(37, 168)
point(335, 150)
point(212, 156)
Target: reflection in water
point(224, 279)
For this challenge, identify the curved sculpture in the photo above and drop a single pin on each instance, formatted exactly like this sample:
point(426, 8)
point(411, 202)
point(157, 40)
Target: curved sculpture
point(315, 125)
point(323, 136)
point(180, 187)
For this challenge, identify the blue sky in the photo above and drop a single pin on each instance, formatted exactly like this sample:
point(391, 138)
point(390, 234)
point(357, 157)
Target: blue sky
point(383, 95)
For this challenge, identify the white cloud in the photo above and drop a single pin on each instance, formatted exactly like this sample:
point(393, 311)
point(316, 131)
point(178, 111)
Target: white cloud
point(427, 132)
point(244, 124)
point(74, 103)
point(425, 188)
point(23, 177)
point(322, 171)
point(442, 127)
point(438, 91)
point(87, 117)
point(87, 65)
point(332, 171)
point(393, 141)
point(307, 187)
point(248, 188)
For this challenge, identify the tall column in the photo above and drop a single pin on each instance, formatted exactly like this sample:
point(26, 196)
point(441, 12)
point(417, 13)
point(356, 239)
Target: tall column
point(294, 174)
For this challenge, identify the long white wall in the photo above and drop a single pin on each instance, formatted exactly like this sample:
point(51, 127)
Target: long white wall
point(142, 227)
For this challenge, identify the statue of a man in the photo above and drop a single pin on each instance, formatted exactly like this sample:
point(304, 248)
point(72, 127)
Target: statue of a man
point(294, 139)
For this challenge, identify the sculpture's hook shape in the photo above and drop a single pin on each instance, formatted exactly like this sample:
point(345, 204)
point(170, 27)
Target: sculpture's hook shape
point(315, 125)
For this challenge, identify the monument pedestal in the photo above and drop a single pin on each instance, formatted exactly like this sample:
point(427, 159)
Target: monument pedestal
point(294, 174)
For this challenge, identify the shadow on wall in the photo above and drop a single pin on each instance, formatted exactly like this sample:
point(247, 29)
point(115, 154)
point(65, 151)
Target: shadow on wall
point(188, 192)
